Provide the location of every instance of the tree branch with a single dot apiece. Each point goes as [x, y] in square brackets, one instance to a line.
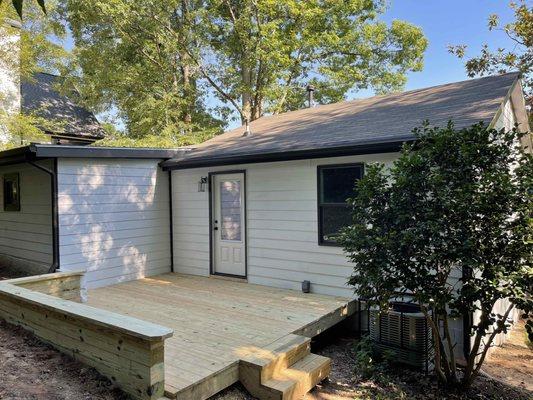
[202, 70]
[488, 345]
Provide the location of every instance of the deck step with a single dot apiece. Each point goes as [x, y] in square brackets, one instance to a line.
[308, 372]
[295, 381]
[283, 370]
[277, 355]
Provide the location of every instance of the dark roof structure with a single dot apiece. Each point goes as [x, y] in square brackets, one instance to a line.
[37, 151]
[39, 96]
[376, 124]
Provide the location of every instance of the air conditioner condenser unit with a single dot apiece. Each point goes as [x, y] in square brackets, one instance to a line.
[403, 329]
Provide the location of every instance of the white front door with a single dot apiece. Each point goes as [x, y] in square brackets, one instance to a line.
[228, 224]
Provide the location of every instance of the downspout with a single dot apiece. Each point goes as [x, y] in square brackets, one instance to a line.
[55, 219]
[467, 320]
[171, 221]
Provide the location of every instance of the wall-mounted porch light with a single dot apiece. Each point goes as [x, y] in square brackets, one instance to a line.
[202, 184]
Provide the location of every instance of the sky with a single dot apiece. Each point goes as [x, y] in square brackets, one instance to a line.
[449, 22]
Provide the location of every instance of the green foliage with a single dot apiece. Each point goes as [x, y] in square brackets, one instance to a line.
[24, 129]
[368, 362]
[266, 52]
[115, 138]
[364, 357]
[41, 41]
[454, 200]
[517, 58]
[149, 81]
[186, 65]
[18, 5]
[39, 49]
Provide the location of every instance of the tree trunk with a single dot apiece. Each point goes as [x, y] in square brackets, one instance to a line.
[436, 343]
[473, 367]
[188, 84]
[246, 97]
[257, 109]
[188, 91]
[451, 355]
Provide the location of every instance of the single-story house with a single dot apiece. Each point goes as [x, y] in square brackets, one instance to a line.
[278, 193]
[260, 205]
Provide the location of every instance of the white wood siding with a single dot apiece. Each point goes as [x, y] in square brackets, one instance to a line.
[27, 234]
[113, 219]
[282, 231]
[507, 118]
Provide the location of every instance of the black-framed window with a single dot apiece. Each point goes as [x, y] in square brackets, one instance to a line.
[336, 184]
[11, 192]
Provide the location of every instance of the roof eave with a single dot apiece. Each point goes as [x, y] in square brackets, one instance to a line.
[35, 151]
[46, 151]
[75, 136]
[17, 155]
[358, 149]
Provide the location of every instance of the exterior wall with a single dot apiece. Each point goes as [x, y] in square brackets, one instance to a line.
[282, 226]
[9, 73]
[26, 235]
[507, 118]
[113, 219]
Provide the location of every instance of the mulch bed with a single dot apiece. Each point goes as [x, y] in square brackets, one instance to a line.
[399, 383]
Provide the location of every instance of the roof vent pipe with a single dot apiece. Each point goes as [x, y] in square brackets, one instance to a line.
[247, 131]
[310, 89]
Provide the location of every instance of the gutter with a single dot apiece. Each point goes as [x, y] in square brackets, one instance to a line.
[368, 147]
[55, 214]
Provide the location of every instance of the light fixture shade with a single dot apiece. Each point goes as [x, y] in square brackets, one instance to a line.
[202, 183]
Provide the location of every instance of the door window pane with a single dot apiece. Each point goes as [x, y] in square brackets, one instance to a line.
[230, 210]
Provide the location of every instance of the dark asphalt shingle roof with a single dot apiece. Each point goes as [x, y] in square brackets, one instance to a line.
[377, 119]
[40, 96]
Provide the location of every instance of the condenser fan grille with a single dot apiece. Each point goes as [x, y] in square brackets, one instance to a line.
[406, 334]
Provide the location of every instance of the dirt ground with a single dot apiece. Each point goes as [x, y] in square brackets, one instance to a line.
[514, 363]
[31, 370]
[343, 383]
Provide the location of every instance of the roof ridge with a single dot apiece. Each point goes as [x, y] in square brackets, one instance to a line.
[379, 96]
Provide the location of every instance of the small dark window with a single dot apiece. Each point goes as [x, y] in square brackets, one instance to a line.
[336, 184]
[11, 192]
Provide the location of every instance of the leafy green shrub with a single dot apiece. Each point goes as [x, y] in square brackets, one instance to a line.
[457, 202]
[368, 361]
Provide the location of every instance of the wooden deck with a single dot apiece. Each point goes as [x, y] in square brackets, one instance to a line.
[216, 323]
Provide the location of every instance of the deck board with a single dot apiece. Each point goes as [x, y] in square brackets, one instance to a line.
[216, 321]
